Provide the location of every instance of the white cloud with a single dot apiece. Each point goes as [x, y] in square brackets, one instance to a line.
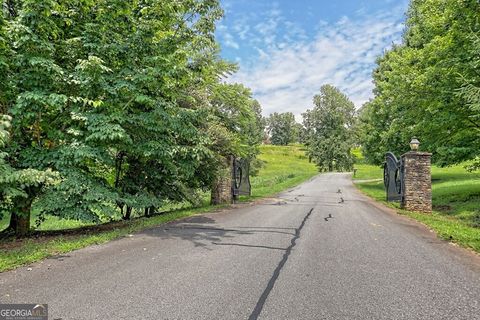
[229, 41]
[288, 74]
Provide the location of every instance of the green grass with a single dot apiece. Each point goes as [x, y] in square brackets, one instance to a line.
[455, 198]
[283, 167]
[368, 172]
[365, 171]
[50, 223]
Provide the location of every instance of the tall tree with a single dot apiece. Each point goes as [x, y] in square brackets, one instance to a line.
[281, 128]
[4, 66]
[33, 103]
[102, 106]
[329, 127]
[145, 144]
[108, 119]
[236, 127]
[425, 86]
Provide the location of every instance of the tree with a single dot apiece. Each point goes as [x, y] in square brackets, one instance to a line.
[32, 101]
[108, 120]
[4, 67]
[17, 185]
[298, 133]
[329, 128]
[425, 87]
[372, 131]
[281, 128]
[236, 127]
[101, 105]
[470, 90]
[256, 126]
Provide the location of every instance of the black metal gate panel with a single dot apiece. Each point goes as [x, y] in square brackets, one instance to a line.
[241, 178]
[393, 177]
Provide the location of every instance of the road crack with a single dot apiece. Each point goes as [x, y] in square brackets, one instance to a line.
[263, 298]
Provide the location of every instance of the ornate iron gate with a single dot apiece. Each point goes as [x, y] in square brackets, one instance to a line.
[393, 173]
[241, 178]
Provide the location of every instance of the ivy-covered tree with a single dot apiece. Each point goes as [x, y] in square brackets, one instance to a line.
[329, 128]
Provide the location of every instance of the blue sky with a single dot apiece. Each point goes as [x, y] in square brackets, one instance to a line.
[287, 49]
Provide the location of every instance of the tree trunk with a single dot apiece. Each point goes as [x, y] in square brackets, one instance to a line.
[149, 211]
[128, 213]
[13, 221]
[12, 8]
[20, 222]
[222, 186]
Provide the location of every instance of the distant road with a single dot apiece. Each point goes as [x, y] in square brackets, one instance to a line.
[306, 255]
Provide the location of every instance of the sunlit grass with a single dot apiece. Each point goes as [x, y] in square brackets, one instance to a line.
[367, 172]
[283, 167]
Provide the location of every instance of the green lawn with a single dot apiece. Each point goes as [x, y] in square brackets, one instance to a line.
[365, 171]
[368, 172]
[283, 167]
[455, 197]
[50, 223]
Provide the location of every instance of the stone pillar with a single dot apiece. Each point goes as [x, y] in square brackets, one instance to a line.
[417, 193]
[222, 186]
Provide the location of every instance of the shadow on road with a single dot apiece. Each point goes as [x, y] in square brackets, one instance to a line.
[203, 232]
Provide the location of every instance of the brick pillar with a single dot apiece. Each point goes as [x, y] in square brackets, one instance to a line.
[222, 186]
[417, 193]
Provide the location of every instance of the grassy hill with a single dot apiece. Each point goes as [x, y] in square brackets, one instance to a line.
[283, 167]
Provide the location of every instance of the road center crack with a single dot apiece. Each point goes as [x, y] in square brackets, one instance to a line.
[263, 298]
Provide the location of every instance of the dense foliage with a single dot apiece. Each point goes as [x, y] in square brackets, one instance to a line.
[114, 106]
[329, 130]
[282, 128]
[429, 86]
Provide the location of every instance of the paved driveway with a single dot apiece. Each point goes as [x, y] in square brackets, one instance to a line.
[306, 255]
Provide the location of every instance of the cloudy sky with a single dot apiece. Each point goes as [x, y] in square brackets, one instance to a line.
[287, 49]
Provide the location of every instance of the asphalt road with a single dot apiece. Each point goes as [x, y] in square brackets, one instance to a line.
[304, 255]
